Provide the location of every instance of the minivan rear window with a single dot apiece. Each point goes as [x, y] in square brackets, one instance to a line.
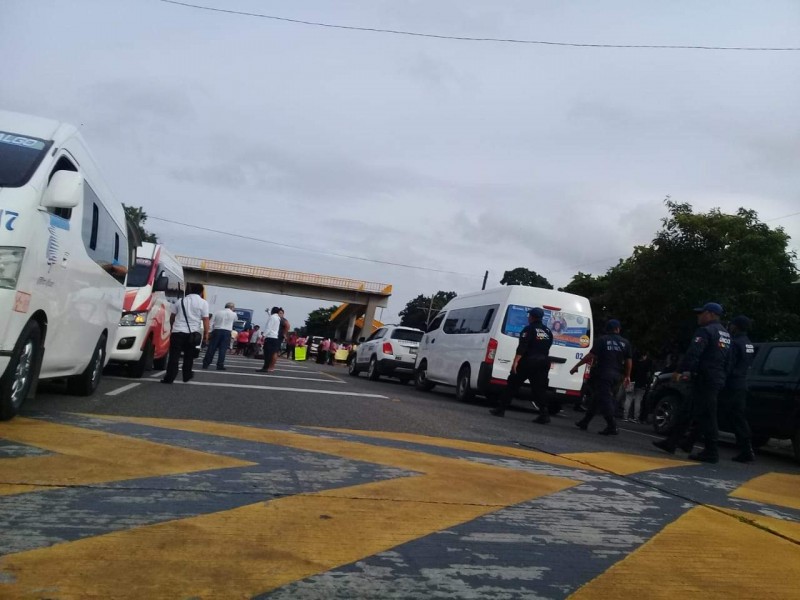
[407, 335]
[571, 331]
[20, 155]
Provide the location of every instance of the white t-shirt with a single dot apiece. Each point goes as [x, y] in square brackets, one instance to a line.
[273, 326]
[223, 319]
[196, 309]
[254, 336]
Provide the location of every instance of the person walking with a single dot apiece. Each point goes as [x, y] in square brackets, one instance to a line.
[189, 316]
[221, 327]
[530, 363]
[283, 329]
[705, 366]
[241, 342]
[611, 362]
[252, 342]
[733, 397]
[322, 351]
[291, 344]
[642, 372]
[271, 343]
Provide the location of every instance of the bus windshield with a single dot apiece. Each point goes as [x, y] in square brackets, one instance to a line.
[19, 157]
[139, 273]
[571, 331]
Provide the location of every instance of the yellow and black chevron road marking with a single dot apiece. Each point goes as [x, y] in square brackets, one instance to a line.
[119, 507]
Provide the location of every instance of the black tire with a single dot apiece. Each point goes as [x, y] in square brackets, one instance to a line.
[352, 368]
[464, 393]
[86, 383]
[373, 371]
[21, 372]
[160, 364]
[664, 414]
[145, 362]
[421, 378]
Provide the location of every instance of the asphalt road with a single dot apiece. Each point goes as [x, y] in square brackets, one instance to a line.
[310, 483]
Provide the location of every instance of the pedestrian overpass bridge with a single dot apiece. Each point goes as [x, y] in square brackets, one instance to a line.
[353, 292]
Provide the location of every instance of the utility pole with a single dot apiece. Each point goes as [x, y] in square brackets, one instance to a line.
[485, 277]
[430, 307]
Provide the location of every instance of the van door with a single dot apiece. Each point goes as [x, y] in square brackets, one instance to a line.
[431, 345]
[772, 385]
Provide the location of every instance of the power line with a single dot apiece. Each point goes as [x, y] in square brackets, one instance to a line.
[477, 39]
[305, 249]
[783, 217]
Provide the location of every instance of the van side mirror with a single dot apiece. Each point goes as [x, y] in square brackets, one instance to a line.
[161, 284]
[65, 190]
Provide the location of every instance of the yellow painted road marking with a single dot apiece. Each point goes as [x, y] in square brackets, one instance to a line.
[788, 529]
[780, 489]
[260, 547]
[626, 464]
[84, 456]
[704, 554]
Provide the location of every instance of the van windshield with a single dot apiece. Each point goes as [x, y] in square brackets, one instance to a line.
[139, 274]
[19, 157]
[571, 331]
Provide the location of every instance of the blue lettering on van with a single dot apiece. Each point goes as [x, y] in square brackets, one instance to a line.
[7, 218]
[19, 140]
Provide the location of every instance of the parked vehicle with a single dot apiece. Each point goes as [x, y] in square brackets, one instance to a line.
[244, 319]
[154, 281]
[391, 351]
[63, 260]
[313, 344]
[773, 396]
[471, 343]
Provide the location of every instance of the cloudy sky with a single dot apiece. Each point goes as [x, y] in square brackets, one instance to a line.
[455, 156]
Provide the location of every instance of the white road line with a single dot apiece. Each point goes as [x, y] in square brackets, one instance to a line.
[270, 376]
[260, 387]
[124, 388]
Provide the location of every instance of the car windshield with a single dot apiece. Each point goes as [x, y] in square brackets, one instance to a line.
[572, 331]
[19, 157]
[407, 335]
[139, 274]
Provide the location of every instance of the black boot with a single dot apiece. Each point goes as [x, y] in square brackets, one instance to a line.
[667, 446]
[583, 424]
[687, 445]
[705, 456]
[746, 454]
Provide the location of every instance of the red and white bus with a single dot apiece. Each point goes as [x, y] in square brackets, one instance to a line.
[155, 280]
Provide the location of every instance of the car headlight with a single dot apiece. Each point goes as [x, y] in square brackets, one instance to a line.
[10, 266]
[133, 318]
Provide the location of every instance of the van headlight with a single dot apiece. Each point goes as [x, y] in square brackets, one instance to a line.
[10, 266]
[133, 318]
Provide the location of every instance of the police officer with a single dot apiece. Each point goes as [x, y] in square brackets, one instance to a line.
[705, 366]
[530, 362]
[734, 394]
[612, 361]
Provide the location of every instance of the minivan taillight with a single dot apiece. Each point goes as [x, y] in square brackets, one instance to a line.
[491, 351]
[387, 348]
[586, 372]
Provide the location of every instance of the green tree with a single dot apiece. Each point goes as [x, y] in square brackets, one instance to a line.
[318, 321]
[523, 276]
[732, 259]
[420, 311]
[138, 218]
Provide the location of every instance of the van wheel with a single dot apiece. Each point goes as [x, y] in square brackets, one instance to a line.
[421, 378]
[373, 372]
[352, 368]
[21, 371]
[464, 392]
[145, 362]
[160, 364]
[86, 383]
[664, 414]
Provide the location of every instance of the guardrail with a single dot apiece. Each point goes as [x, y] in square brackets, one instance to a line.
[240, 270]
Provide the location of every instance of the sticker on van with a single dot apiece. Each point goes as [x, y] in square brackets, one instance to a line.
[571, 331]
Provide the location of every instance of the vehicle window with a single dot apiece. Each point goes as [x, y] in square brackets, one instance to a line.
[20, 155]
[406, 335]
[571, 331]
[98, 230]
[476, 319]
[376, 335]
[139, 274]
[437, 322]
[780, 361]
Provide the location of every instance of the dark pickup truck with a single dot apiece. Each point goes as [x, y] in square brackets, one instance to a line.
[773, 396]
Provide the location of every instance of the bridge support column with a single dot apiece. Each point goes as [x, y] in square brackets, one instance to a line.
[351, 326]
[369, 317]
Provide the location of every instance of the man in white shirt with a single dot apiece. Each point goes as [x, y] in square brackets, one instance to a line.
[272, 344]
[221, 326]
[189, 315]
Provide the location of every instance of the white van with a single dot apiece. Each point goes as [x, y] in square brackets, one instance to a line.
[63, 260]
[472, 342]
[155, 280]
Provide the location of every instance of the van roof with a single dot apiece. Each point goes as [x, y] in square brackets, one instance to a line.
[39, 127]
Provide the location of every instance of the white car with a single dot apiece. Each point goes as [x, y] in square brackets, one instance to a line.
[391, 351]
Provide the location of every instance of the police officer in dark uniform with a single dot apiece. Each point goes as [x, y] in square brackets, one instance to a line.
[612, 361]
[734, 395]
[530, 362]
[705, 365]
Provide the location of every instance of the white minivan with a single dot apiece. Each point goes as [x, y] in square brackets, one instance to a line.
[63, 260]
[472, 342]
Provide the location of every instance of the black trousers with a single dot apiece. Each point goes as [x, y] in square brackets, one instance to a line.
[697, 418]
[604, 391]
[180, 343]
[533, 369]
[732, 402]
